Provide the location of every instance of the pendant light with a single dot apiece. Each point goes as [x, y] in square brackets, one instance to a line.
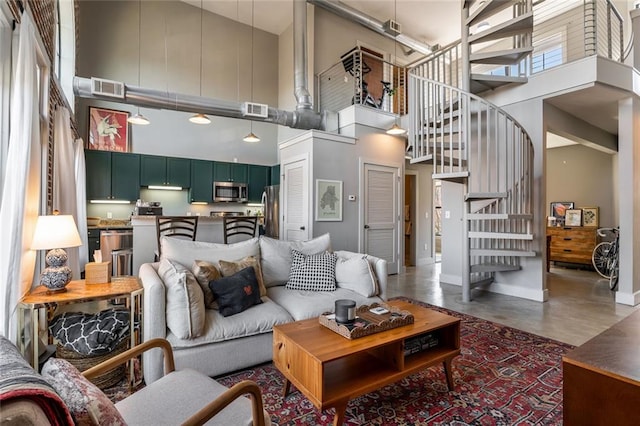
[138, 118]
[395, 130]
[251, 137]
[200, 118]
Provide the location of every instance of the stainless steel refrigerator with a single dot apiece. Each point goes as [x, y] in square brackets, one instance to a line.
[271, 201]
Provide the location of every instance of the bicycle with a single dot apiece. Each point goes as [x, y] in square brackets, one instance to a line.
[365, 98]
[606, 256]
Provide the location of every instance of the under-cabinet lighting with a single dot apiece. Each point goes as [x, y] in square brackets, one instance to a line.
[109, 202]
[199, 203]
[255, 205]
[168, 188]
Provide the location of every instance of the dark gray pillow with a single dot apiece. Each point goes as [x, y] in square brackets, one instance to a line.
[236, 292]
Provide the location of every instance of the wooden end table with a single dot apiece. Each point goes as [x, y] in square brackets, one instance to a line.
[330, 369]
[39, 304]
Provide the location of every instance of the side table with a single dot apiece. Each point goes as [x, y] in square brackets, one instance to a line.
[41, 305]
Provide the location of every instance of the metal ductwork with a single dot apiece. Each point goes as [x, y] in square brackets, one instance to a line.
[369, 22]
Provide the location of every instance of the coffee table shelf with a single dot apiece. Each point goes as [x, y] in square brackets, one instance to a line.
[330, 369]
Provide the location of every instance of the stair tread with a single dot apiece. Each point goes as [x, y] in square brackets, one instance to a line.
[519, 25]
[501, 235]
[494, 267]
[499, 216]
[483, 82]
[421, 159]
[484, 195]
[502, 252]
[489, 8]
[501, 57]
[452, 176]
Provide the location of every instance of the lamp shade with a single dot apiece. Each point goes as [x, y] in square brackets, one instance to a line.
[55, 231]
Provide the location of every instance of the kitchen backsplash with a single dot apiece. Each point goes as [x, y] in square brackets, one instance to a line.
[174, 203]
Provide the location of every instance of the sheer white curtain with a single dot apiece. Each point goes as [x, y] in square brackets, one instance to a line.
[64, 180]
[81, 201]
[21, 191]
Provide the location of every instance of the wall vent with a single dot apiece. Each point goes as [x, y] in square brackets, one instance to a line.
[392, 27]
[253, 109]
[109, 88]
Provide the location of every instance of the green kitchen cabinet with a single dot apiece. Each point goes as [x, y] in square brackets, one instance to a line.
[201, 189]
[275, 175]
[230, 172]
[165, 171]
[239, 172]
[112, 175]
[258, 179]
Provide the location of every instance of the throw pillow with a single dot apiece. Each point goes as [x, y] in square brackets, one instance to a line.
[87, 403]
[205, 272]
[185, 252]
[315, 272]
[356, 275]
[237, 292]
[185, 301]
[275, 256]
[229, 268]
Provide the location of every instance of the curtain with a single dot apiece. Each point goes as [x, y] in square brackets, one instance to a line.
[21, 191]
[64, 179]
[81, 201]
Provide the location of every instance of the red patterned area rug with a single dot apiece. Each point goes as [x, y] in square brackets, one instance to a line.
[503, 376]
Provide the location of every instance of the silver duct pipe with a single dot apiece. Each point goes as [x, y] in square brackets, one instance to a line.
[367, 21]
[158, 99]
[303, 97]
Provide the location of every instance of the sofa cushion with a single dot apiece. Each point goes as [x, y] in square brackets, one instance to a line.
[237, 292]
[275, 256]
[185, 300]
[186, 251]
[228, 268]
[303, 304]
[356, 274]
[205, 272]
[87, 403]
[316, 272]
[257, 320]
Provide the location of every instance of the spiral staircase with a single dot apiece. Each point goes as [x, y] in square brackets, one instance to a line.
[474, 143]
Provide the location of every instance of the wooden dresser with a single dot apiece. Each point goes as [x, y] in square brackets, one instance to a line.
[601, 378]
[571, 244]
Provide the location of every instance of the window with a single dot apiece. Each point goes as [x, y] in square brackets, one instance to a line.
[65, 47]
[548, 52]
[6, 39]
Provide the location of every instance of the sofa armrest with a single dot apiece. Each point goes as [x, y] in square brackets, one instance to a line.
[155, 320]
[379, 268]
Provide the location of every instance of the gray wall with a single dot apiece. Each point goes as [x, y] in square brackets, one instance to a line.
[582, 175]
[110, 51]
[423, 225]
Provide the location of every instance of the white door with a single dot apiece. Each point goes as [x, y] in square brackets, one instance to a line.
[295, 210]
[381, 218]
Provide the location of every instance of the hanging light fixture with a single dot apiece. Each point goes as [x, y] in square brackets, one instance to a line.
[395, 130]
[138, 118]
[251, 137]
[200, 118]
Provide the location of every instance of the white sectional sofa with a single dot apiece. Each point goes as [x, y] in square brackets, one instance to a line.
[224, 344]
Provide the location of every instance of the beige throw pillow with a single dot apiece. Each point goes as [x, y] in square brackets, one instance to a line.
[357, 275]
[206, 272]
[229, 268]
[185, 300]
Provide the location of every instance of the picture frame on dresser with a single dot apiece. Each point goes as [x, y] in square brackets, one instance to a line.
[573, 217]
[590, 216]
[558, 209]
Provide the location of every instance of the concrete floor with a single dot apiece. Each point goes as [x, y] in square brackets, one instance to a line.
[580, 304]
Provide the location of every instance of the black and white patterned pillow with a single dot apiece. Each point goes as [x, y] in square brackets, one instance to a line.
[315, 272]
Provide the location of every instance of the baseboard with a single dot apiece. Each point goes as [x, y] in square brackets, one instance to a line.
[451, 279]
[538, 295]
[631, 299]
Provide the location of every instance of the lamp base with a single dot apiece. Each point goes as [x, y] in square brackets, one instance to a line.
[55, 278]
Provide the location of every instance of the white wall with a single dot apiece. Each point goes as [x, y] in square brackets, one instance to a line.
[423, 225]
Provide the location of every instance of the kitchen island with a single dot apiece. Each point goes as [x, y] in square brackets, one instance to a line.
[145, 238]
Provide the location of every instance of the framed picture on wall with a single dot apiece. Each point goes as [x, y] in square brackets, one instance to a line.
[108, 130]
[328, 200]
[573, 217]
[590, 216]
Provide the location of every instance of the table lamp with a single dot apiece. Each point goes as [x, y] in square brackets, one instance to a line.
[54, 233]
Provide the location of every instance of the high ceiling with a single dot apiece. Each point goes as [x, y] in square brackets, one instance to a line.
[428, 21]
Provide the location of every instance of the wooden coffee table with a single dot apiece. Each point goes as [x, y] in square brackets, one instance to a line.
[330, 369]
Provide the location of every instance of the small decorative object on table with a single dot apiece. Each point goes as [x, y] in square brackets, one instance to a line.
[345, 311]
[367, 322]
[55, 232]
[97, 272]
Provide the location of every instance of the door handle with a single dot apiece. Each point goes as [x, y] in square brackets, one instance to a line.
[302, 228]
[366, 227]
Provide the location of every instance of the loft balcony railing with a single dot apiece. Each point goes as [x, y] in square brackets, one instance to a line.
[563, 31]
[361, 78]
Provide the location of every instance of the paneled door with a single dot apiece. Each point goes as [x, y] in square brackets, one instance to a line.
[295, 221]
[381, 214]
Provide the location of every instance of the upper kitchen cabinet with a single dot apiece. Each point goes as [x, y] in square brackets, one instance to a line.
[258, 179]
[230, 172]
[275, 175]
[165, 171]
[201, 190]
[112, 175]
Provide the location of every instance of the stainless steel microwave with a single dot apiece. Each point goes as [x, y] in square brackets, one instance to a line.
[230, 192]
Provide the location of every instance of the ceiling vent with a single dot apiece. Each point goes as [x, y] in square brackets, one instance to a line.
[109, 88]
[253, 109]
[392, 27]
